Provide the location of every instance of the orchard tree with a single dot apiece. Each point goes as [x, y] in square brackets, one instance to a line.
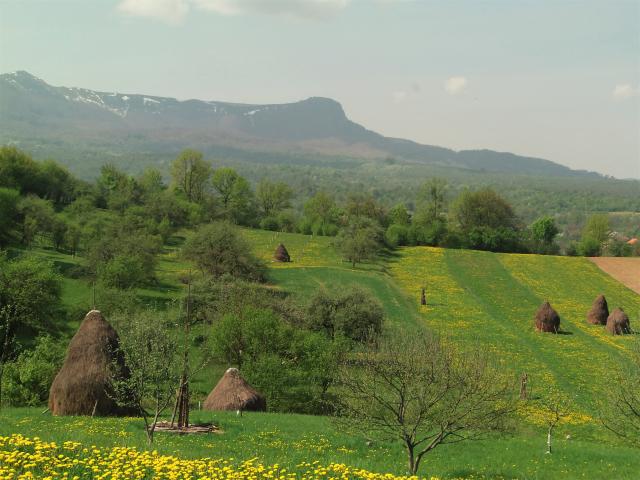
[359, 240]
[415, 389]
[150, 349]
[321, 215]
[190, 175]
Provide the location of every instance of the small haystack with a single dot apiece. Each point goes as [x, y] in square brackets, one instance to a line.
[281, 254]
[599, 311]
[233, 393]
[547, 319]
[618, 322]
[82, 384]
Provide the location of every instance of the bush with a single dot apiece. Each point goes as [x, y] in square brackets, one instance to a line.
[396, 235]
[27, 380]
[589, 247]
[353, 314]
[219, 249]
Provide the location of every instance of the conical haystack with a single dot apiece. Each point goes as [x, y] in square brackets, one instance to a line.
[599, 311]
[233, 393]
[547, 319]
[281, 254]
[618, 322]
[82, 384]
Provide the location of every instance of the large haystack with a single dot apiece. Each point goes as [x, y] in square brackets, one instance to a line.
[233, 393]
[547, 319]
[281, 255]
[599, 311]
[82, 384]
[618, 322]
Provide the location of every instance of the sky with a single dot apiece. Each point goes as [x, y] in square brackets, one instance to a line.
[553, 79]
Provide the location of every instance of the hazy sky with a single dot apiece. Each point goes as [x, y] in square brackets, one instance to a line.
[553, 79]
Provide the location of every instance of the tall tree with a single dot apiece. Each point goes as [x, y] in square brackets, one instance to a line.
[190, 175]
[431, 200]
[273, 197]
[235, 193]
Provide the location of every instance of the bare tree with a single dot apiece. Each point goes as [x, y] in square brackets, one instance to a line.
[620, 410]
[417, 389]
[554, 406]
[151, 355]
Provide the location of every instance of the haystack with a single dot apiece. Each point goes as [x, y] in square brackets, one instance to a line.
[618, 322]
[281, 254]
[599, 311]
[233, 393]
[547, 319]
[82, 384]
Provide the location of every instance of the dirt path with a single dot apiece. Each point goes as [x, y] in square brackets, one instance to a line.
[625, 270]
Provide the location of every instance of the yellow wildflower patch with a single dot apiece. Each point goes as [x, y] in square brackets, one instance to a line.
[23, 458]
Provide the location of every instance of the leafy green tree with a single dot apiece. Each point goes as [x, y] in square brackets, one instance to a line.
[190, 175]
[27, 379]
[235, 194]
[18, 170]
[321, 215]
[117, 190]
[364, 206]
[594, 235]
[56, 183]
[399, 215]
[359, 240]
[543, 233]
[273, 197]
[486, 221]
[431, 200]
[354, 314]
[396, 235]
[32, 288]
[219, 249]
[9, 200]
[38, 217]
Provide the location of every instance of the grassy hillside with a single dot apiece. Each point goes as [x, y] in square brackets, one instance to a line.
[491, 299]
[473, 297]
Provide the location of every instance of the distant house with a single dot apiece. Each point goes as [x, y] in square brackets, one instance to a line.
[632, 241]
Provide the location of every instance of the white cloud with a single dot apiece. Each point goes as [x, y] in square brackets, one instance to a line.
[174, 11]
[625, 90]
[455, 85]
[310, 9]
[399, 96]
[168, 11]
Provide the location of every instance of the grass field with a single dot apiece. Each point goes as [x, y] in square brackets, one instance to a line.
[473, 298]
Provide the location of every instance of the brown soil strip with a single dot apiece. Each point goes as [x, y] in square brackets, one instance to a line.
[625, 270]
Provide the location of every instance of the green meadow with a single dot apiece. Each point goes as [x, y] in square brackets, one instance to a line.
[472, 298]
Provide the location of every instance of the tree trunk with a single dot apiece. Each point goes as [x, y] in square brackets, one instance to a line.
[413, 467]
[549, 440]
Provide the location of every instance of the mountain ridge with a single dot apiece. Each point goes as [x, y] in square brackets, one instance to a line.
[31, 111]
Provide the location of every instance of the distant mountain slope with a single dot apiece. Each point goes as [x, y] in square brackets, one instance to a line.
[34, 112]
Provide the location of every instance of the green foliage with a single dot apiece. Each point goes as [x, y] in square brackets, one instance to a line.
[32, 287]
[190, 175]
[27, 380]
[219, 249]
[321, 215]
[359, 240]
[9, 199]
[235, 195]
[353, 314]
[486, 221]
[273, 197]
[396, 235]
[594, 235]
[399, 215]
[293, 368]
